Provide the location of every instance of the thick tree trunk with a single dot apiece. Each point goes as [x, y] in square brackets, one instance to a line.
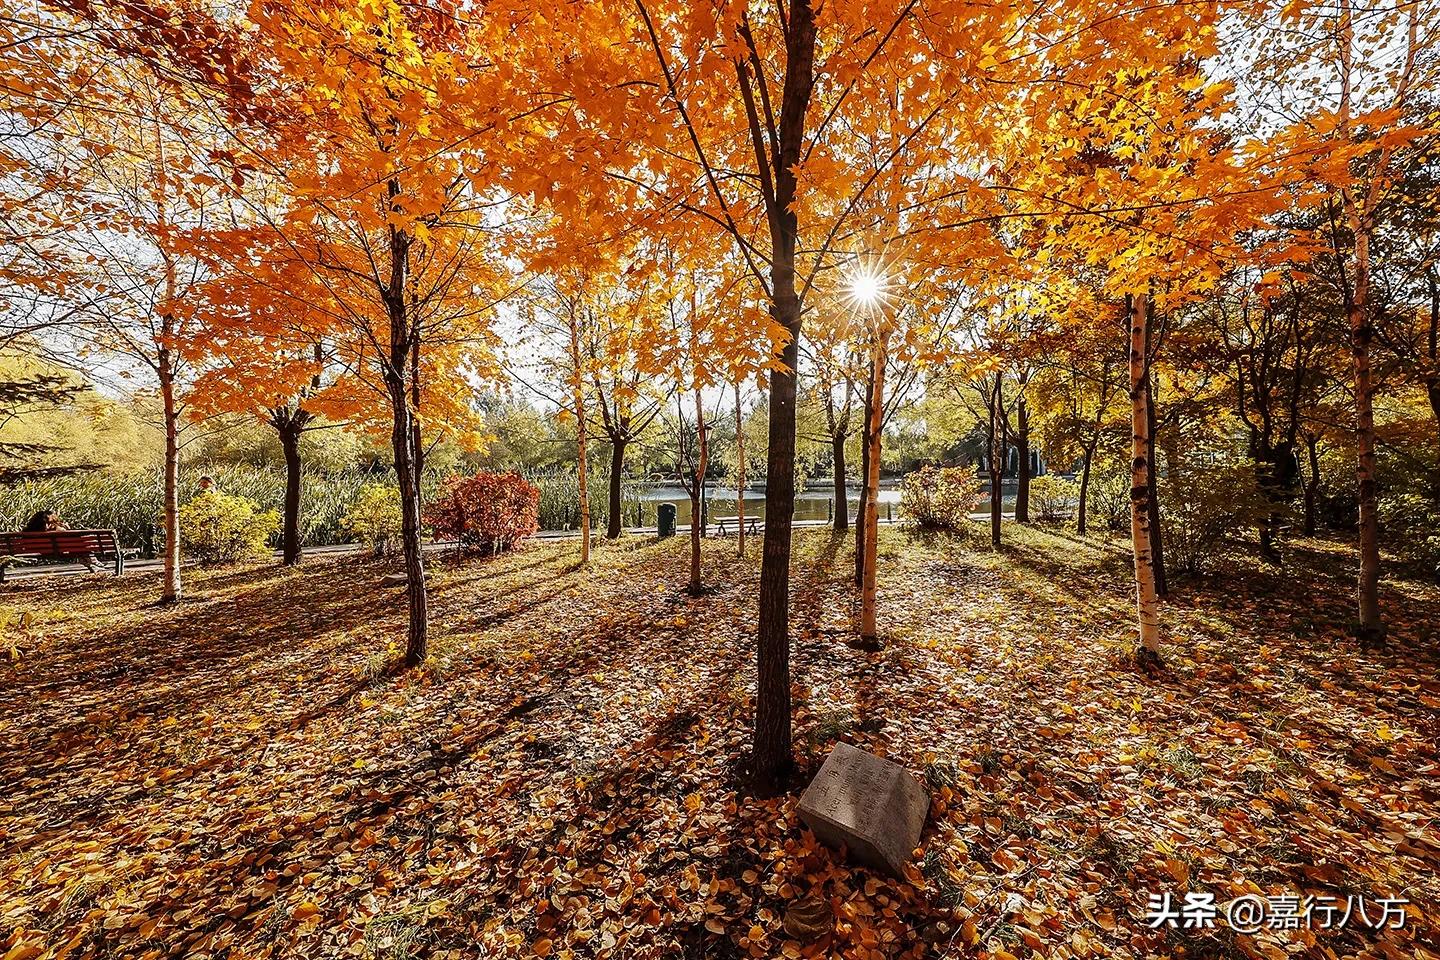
[1147, 651]
[1022, 459]
[842, 506]
[290, 534]
[1082, 508]
[615, 521]
[170, 593]
[869, 638]
[739, 476]
[771, 745]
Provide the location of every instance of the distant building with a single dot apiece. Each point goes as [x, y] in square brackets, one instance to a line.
[1038, 466]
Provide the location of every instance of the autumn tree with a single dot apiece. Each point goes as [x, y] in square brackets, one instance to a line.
[1351, 72]
[1075, 394]
[270, 372]
[134, 194]
[835, 372]
[384, 226]
[726, 99]
[625, 399]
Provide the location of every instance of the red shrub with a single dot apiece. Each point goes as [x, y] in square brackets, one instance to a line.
[488, 512]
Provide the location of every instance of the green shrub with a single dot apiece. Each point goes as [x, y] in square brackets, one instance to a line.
[1203, 509]
[1412, 527]
[375, 518]
[218, 527]
[940, 497]
[1109, 495]
[1051, 496]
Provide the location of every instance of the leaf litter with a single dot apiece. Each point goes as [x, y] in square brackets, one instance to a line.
[245, 775]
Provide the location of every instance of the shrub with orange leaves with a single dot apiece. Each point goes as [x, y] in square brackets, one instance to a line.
[487, 512]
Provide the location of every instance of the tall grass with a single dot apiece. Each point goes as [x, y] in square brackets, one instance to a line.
[560, 498]
[130, 503]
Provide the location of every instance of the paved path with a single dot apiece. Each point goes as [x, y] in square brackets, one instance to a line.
[18, 573]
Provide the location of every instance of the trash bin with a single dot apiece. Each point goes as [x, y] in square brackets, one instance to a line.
[665, 520]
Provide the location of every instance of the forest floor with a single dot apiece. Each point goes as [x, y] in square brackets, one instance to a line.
[241, 776]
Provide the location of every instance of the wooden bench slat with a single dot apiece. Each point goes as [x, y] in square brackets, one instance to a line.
[59, 542]
[63, 544]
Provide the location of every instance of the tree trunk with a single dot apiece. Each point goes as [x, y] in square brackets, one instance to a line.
[997, 459]
[1432, 343]
[405, 437]
[615, 521]
[290, 443]
[1022, 459]
[1370, 630]
[864, 486]
[1432, 354]
[1312, 483]
[739, 476]
[873, 428]
[1432, 390]
[1152, 501]
[583, 477]
[697, 505]
[402, 445]
[170, 593]
[771, 746]
[842, 506]
[1147, 652]
[1081, 508]
[582, 472]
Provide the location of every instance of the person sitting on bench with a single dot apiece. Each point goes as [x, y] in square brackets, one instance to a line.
[45, 521]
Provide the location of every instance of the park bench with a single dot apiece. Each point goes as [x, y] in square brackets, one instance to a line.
[62, 545]
[751, 525]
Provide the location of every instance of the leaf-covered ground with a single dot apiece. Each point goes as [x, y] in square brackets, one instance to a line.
[240, 777]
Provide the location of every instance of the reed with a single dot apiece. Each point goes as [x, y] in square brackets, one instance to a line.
[560, 498]
[130, 503]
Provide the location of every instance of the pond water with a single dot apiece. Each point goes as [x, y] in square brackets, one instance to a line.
[812, 504]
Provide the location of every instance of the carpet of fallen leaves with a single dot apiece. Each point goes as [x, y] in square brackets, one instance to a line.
[243, 777]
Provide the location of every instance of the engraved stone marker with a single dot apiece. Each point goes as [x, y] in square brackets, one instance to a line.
[872, 806]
